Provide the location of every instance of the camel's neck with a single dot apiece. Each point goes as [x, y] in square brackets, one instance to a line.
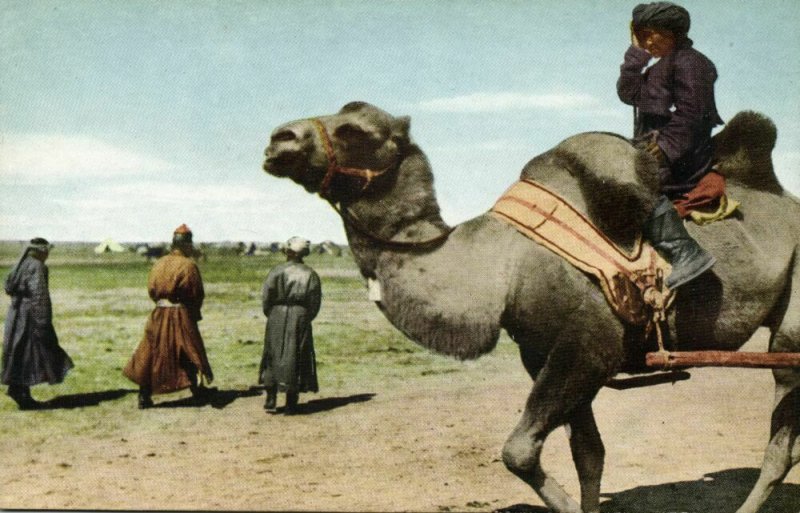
[403, 210]
[422, 290]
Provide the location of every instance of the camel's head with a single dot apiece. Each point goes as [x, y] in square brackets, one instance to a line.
[339, 156]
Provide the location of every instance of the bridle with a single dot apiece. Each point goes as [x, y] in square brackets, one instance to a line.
[366, 176]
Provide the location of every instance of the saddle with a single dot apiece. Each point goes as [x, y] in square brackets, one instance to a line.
[632, 282]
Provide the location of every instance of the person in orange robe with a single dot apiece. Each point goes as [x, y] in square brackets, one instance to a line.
[171, 355]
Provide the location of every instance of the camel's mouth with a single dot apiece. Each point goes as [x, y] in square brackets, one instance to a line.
[280, 165]
[293, 166]
[285, 162]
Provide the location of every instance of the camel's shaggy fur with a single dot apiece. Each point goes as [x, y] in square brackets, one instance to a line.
[455, 296]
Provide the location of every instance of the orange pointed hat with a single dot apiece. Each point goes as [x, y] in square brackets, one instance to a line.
[182, 234]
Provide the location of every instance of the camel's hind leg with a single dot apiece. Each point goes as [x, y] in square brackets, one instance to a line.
[783, 450]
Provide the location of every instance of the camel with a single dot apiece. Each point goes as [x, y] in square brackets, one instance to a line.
[452, 289]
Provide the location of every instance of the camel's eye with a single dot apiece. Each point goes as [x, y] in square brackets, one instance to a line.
[352, 134]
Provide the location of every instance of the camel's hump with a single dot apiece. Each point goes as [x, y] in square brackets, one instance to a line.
[604, 176]
[743, 151]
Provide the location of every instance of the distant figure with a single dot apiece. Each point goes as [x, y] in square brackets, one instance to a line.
[291, 299]
[31, 354]
[151, 252]
[674, 113]
[171, 354]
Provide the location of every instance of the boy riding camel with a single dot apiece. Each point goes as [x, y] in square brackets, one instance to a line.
[674, 113]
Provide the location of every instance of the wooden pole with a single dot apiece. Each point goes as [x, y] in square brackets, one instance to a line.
[672, 359]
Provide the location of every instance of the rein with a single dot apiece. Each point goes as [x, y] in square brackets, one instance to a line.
[353, 223]
[367, 175]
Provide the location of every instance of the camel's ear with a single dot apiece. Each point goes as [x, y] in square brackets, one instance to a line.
[401, 126]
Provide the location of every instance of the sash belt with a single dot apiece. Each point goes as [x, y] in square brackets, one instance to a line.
[166, 303]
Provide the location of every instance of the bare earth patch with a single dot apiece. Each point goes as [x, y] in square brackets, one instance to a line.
[426, 444]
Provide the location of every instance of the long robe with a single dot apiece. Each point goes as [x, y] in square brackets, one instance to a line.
[172, 350]
[291, 298]
[31, 354]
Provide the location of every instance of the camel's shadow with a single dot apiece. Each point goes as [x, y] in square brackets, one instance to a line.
[215, 398]
[67, 402]
[328, 403]
[522, 508]
[717, 492]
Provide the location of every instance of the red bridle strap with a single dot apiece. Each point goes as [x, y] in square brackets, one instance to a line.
[367, 175]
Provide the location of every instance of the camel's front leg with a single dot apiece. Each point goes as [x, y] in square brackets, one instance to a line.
[588, 454]
[560, 395]
[783, 450]
[522, 453]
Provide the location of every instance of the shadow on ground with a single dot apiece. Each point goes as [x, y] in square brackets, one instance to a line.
[215, 398]
[647, 380]
[718, 492]
[522, 508]
[328, 403]
[83, 400]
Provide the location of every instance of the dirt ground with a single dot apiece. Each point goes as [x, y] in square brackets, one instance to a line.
[426, 444]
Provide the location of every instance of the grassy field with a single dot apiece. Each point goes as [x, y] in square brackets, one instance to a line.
[100, 305]
[394, 427]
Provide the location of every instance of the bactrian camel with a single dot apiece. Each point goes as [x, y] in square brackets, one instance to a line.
[453, 289]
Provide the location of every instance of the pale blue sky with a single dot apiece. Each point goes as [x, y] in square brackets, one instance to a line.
[125, 119]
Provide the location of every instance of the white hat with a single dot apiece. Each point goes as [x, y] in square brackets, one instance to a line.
[298, 245]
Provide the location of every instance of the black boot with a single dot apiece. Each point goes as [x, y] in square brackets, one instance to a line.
[21, 394]
[666, 232]
[291, 403]
[145, 399]
[271, 403]
[201, 394]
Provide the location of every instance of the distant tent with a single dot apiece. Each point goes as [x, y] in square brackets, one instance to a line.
[108, 246]
[330, 248]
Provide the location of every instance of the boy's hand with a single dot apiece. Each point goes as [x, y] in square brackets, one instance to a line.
[655, 150]
[634, 39]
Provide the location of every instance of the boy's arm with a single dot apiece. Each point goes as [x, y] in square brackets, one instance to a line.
[693, 96]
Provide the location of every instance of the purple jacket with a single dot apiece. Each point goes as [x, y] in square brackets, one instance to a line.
[674, 97]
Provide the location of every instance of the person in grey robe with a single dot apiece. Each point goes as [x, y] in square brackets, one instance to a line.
[291, 299]
[31, 354]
